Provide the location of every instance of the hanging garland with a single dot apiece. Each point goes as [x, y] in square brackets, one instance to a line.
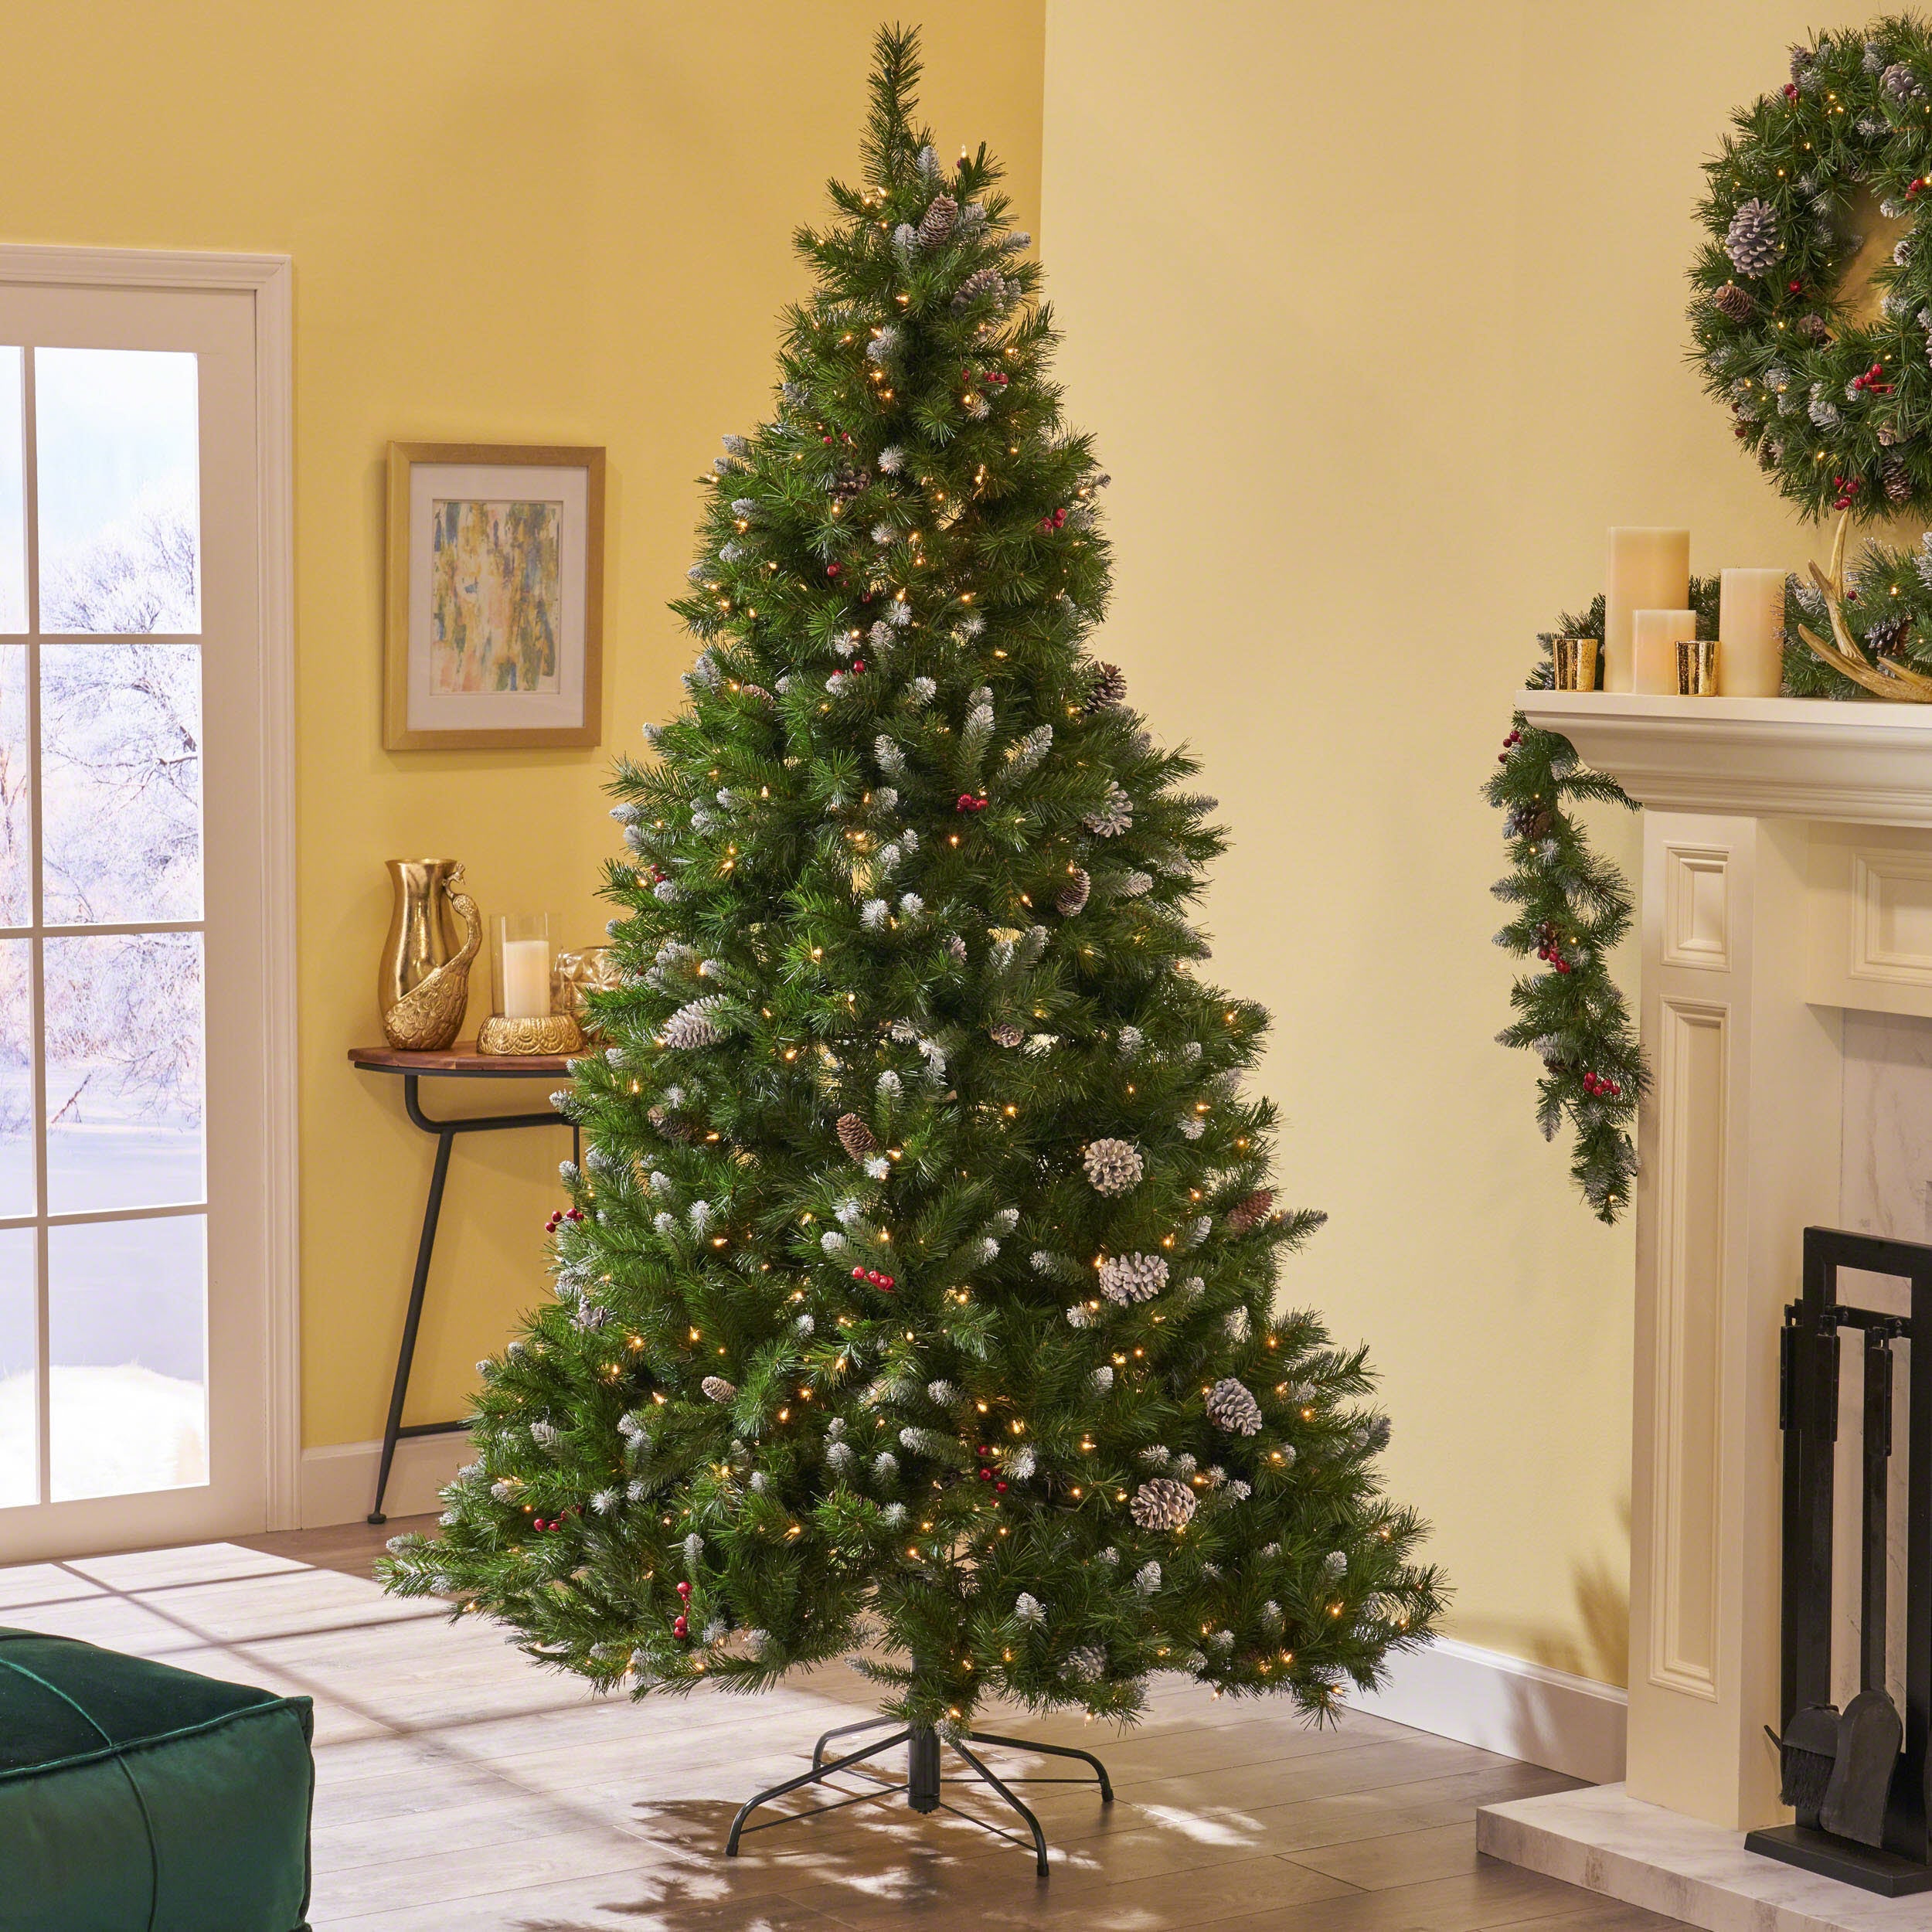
[1838, 411]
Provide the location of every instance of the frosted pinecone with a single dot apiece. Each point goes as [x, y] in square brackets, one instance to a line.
[1072, 896]
[928, 162]
[693, 1026]
[718, 1390]
[1161, 1503]
[1335, 1565]
[1112, 1166]
[1102, 1379]
[855, 1137]
[1114, 817]
[983, 281]
[1109, 688]
[1897, 480]
[1027, 1609]
[1147, 1579]
[904, 240]
[941, 213]
[1902, 84]
[1127, 1278]
[1751, 240]
[1004, 1033]
[1230, 1407]
[1089, 1661]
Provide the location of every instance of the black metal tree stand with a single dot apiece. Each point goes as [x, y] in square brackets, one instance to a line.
[923, 1781]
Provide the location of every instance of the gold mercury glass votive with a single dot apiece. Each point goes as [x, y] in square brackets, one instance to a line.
[1576, 661]
[1697, 667]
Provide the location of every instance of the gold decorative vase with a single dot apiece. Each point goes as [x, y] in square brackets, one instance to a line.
[550, 1033]
[423, 985]
[592, 970]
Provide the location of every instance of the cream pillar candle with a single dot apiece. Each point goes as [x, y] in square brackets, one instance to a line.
[526, 978]
[1750, 631]
[1647, 570]
[1654, 648]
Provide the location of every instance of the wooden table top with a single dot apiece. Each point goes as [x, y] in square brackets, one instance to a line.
[461, 1061]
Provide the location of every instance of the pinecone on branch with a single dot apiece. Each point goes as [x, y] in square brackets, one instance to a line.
[1813, 328]
[1887, 637]
[1231, 1407]
[1109, 687]
[718, 1389]
[1161, 1503]
[1896, 478]
[1250, 1211]
[981, 281]
[855, 1137]
[1004, 1033]
[848, 482]
[1751, 240]
[1114, 818]
[1112, 1167]
[937, 223]
[1734, 303]
[1127, 1278]
[693, 1026]
[1072, 896]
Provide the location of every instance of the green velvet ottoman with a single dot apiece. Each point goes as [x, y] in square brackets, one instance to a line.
[136, 1798]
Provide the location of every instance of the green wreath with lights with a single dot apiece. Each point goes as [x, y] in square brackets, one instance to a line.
[1838, 411]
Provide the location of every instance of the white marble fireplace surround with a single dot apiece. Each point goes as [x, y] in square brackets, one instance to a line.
[1785, 1007]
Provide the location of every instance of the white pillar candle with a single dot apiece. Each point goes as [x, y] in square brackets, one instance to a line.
[1750, 631]
[526, 978]
[1647, 570]
[1654, 648]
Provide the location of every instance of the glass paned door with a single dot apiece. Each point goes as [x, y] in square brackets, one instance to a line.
[131, 1324]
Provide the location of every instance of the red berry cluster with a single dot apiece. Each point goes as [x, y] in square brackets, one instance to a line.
[1550, 948]
[1508, 745]
[554, 1522]
[968, 803]
[990, 378]
[1848, 488]
[1603, 1089]
[559, 1215]
[884, 1282]
[1054, 520]
[1873, 381]
[680, 1625]
[844, 436]
[985, 1470]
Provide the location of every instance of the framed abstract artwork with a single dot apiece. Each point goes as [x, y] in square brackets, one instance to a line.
[496, 630]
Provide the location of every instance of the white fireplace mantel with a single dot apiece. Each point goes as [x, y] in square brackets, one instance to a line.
[1861, 764]
[1786, 897]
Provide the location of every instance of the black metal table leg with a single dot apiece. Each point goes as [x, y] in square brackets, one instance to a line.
[395, 1429]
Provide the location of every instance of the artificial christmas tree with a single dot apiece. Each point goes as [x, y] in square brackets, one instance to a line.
[917, 1299]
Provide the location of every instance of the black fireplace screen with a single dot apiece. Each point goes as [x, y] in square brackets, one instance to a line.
[1855, 1776]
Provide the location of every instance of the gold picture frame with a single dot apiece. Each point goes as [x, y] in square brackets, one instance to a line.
[493, 640]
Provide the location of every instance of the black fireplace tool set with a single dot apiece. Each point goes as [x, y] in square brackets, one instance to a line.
[1856, 1777]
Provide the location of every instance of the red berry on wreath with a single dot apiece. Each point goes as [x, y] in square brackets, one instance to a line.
[1001, 1488]
[835, 570]
[1791, 90]
[684, 1592]
[858, 1274]
[679, 1628]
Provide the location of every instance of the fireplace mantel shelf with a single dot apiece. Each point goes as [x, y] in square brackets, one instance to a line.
[1860, 764]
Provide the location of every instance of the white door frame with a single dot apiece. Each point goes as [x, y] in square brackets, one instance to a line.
[268, 278]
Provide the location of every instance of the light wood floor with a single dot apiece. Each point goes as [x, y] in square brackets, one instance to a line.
[459, 1787]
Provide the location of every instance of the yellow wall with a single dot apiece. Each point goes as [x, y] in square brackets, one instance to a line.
[564, 223]
[1377, 313]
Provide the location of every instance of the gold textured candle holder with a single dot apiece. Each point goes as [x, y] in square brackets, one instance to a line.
[548, 1033]
[1575, 661]
[1697, 667]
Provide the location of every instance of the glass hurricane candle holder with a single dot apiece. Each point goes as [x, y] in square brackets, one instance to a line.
[521, 1021]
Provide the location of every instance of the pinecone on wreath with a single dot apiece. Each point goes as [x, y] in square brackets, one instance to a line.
[1887, 637]
[1751, 240]
[1896, 478]
[1814, 329]
[1734, 303]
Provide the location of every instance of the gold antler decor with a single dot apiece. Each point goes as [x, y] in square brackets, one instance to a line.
[1884, 680]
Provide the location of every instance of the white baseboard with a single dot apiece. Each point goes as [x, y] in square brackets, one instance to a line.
[1573, 1725]
[337, 1483]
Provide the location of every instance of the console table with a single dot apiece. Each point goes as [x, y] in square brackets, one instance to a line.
[462, 1062]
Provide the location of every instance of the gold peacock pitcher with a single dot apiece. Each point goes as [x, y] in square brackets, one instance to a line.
[423, 986]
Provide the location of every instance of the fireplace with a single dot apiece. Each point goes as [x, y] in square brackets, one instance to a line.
[1786, 1006]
